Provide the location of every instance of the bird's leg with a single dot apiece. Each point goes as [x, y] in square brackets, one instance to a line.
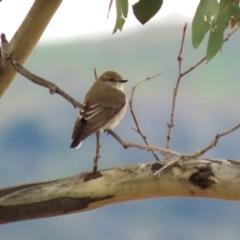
[97, 156]
[95, 173]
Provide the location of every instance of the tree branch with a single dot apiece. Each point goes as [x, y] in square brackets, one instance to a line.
[204, 58]
[27, 36]
[210, 178]
[95, 73]
[212, 144]
[170, 153]
[143, 147]
[53, 88]
[175, 90]
[138, 130]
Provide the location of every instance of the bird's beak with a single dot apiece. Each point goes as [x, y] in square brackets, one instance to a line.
[123, 81]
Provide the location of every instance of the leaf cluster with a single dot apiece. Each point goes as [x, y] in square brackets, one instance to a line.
[214, 17]
[211, 16]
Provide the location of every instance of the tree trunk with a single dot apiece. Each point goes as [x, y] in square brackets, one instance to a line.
[26, 37]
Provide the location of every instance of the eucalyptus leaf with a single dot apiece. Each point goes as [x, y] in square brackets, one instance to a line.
[122, 12]
[235, 14]
[109, 7]
[217, 31]
[144, 10]
[205, 14]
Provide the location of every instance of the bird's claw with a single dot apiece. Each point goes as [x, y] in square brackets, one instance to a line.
[92, 175]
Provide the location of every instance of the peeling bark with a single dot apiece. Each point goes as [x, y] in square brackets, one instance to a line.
[209, 178]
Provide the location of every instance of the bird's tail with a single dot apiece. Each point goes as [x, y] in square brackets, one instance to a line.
[78, 133]
[76, 143]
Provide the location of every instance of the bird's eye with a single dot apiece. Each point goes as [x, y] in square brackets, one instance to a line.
[111, 80]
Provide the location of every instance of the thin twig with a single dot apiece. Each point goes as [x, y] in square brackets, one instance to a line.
[193, 67]
[171, 123]
[95, 73]
[181, 49]
[143, 147]
[170, 164]
[212, 144]
[138, 130]
[97, 156]
[199, 153]
[5, 55]
[204, 58]
[180, 75]
[213, 179]
[231, 33]
[53, 88]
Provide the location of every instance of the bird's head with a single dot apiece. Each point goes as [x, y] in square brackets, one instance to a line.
[112, 79]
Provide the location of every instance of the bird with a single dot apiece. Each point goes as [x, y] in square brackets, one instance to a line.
[103, 108]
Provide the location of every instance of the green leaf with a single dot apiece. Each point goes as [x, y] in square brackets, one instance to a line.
[207, 11]
[122, 12]
[217, 31]
[235, 14]
[109, 7]
[144, 10]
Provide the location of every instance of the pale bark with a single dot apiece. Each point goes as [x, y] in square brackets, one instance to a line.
[209, 178]
[27, 36]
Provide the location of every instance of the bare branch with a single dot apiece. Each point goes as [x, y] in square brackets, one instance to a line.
[35, 79]
[167, 152]
[180, 75]
[236, 27]
[200, 152]
[212, 144]
[181, 49]
[194, 66]
[175, 90]
[138, 130]
[143, 147]
[95, 73]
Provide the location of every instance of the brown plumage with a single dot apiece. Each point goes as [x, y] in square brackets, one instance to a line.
[103, 108]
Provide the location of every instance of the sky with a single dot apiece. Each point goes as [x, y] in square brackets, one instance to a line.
[74, 18]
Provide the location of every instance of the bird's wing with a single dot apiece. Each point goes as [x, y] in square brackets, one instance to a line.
[94, 116]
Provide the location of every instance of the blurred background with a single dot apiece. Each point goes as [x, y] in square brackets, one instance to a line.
[36, 127]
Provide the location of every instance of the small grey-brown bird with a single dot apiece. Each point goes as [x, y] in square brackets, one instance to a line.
[103, 108]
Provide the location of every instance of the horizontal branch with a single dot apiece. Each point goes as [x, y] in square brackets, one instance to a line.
[210, 178]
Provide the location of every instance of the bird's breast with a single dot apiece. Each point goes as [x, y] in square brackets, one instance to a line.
[113, 122]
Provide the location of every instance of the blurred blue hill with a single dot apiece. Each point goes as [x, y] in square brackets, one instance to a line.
[36, 128]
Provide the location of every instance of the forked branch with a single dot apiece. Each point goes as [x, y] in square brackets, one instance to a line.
[175, 90]
[138, 129]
